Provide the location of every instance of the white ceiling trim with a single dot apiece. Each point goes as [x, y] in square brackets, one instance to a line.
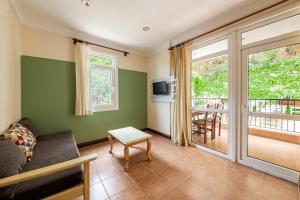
[18, 9]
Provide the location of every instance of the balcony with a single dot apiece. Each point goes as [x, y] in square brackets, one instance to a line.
[273, 129]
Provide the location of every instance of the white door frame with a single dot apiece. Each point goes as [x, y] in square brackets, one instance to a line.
[267, 167]
[231, 92]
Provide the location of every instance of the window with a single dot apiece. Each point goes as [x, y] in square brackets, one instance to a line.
[287, 25]
[103, 82]
[210, 49]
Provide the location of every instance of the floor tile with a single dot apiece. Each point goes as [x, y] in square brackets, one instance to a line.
[98, 192]
[154, 187]
[174, 195]
[117, 184]
[133, 193]
[109, 171]
[140, 173]
[173, 175]
[193, 190]
[276, 188]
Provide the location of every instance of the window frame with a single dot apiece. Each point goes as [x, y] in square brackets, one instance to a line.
[211, 55]
[115, 89]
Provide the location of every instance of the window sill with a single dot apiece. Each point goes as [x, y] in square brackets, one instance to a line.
[105, 109]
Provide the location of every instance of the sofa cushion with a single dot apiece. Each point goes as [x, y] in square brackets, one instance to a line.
[11, 163]
[22, 137]
[51, 149]
[28, 123]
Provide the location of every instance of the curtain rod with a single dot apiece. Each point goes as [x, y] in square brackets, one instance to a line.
[220, 27]
[81, 41]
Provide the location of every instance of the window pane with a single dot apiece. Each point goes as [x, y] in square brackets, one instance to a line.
[275, 73]
[210, 78]
[101, 80]
[210, 90]
[210, 49]
[273, 88]
[281, 27]
[101, 60]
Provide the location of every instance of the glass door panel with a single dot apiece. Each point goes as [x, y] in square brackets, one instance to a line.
[210, 102]
[273, 105]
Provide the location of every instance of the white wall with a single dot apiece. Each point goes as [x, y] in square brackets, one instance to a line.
[10, 79]
[44, 44]
[158, 66]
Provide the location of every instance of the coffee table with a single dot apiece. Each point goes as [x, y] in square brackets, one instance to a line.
[129, 136]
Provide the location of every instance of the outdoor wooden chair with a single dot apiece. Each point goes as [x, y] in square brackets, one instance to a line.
[202, 125]
[219, 116]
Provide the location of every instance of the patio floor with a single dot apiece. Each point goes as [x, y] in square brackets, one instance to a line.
[274, 151]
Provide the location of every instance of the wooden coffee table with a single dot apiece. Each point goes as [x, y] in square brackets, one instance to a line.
[129, 136]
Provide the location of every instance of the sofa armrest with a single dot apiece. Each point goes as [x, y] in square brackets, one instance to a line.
[44, 171]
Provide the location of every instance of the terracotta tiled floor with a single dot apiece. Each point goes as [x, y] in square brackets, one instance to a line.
[218, 144]
[179, 173]
[274, 151]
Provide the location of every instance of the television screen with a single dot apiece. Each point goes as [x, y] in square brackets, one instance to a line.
[160, 88]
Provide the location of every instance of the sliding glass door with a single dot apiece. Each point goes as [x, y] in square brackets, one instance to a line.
[271, 105]
[245, 95]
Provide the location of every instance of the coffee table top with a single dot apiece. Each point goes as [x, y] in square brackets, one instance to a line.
[129, 135]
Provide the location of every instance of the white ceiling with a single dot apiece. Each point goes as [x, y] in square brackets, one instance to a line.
[120, 22]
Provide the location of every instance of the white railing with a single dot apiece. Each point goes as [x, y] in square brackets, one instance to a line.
[278, 114]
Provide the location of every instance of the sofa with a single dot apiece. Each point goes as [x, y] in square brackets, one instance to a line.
[54, 171]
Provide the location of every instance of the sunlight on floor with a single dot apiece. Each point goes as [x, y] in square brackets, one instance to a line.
[274, 151]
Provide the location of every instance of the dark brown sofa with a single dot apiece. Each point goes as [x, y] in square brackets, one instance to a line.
[50, 149]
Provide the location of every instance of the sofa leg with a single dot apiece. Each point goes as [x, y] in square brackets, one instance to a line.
[86, 188]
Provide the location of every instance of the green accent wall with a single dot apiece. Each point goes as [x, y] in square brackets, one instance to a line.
[48, 98]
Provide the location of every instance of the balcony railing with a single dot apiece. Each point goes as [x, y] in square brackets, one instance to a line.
[277, 114]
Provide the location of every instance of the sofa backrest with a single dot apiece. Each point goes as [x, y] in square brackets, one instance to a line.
[28, 123]
[11, 163]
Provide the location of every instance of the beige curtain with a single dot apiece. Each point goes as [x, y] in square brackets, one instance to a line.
[180, 109]
[83, 104]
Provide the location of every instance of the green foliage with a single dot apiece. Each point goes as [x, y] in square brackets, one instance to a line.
[274, 76]
[101, 81]
[100, 60]
[273, 73]
[198, 85]
[209, 77]
[101, 87]
[288, 110]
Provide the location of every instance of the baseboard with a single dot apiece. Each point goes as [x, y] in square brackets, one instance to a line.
[158, 133]
[92, 142]
[97, 141]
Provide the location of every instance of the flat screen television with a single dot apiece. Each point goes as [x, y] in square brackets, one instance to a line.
[160, 88]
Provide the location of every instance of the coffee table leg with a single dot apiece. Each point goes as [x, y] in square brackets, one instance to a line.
[126, 154]
[148, 149]
[110, 142]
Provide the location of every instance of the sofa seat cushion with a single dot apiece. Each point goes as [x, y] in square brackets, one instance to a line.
[51, 149]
